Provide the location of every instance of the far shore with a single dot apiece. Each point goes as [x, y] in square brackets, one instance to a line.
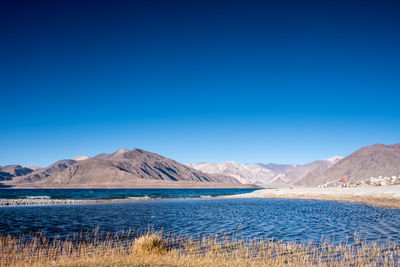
[48, 201]
[45, 202]
[384, 196]
[153, 185]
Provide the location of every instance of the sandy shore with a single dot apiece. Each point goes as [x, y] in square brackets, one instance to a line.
[387, 196]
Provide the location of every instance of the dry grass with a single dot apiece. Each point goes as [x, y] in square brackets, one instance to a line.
[155, 249]
[150, 242]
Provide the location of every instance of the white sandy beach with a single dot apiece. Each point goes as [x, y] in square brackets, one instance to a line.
[375, 195]
[377, 191]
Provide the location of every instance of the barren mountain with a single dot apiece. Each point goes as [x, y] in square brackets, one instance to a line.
[10, 171]
[370, 161]
[263, 174]
[43, 173]
[245, 173]
[301, 171]
[277, 168]
[126, 168]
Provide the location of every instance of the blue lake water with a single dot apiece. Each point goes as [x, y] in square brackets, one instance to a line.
[119, 193]
[280, 219]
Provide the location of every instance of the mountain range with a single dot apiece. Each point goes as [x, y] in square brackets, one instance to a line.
[124, 168]
[264, 174]
[138, 168]
[369, 161]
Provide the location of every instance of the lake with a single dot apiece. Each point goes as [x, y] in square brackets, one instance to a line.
[279, 219]
[108, 194]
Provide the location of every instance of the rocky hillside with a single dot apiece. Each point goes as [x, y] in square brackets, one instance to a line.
[43, 173]
[264, 174]
[245, 173]
[10, 171]
[124, 168]
[370, 161]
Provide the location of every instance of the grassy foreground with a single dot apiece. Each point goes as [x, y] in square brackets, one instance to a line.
[155, 249]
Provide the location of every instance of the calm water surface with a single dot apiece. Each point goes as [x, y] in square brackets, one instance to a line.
[281, 219]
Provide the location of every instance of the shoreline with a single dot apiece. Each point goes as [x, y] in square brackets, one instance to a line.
[22, 202]
[153, 185]
[382, 196]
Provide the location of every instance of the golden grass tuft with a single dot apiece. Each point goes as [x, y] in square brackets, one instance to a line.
[150, 242]
[156, 249]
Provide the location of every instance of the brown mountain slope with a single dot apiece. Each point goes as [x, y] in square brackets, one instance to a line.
[299, 170]
[130, 168]
[10, 171]
[267, 175]
[43, 173]
[370, 161]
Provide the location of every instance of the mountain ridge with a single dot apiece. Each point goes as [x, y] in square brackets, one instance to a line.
[120, 169]
[368, 161]
[137, 167]
[270, 174]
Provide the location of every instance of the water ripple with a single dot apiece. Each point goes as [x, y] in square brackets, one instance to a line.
[282, 219]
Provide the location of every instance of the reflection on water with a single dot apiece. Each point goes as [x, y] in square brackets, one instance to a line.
[281, 219]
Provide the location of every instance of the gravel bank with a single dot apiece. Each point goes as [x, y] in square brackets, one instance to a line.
[388, 196]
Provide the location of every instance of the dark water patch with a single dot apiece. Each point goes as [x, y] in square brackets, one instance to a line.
[2, 185]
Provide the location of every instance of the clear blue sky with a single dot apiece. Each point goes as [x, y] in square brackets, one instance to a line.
[250, 81]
